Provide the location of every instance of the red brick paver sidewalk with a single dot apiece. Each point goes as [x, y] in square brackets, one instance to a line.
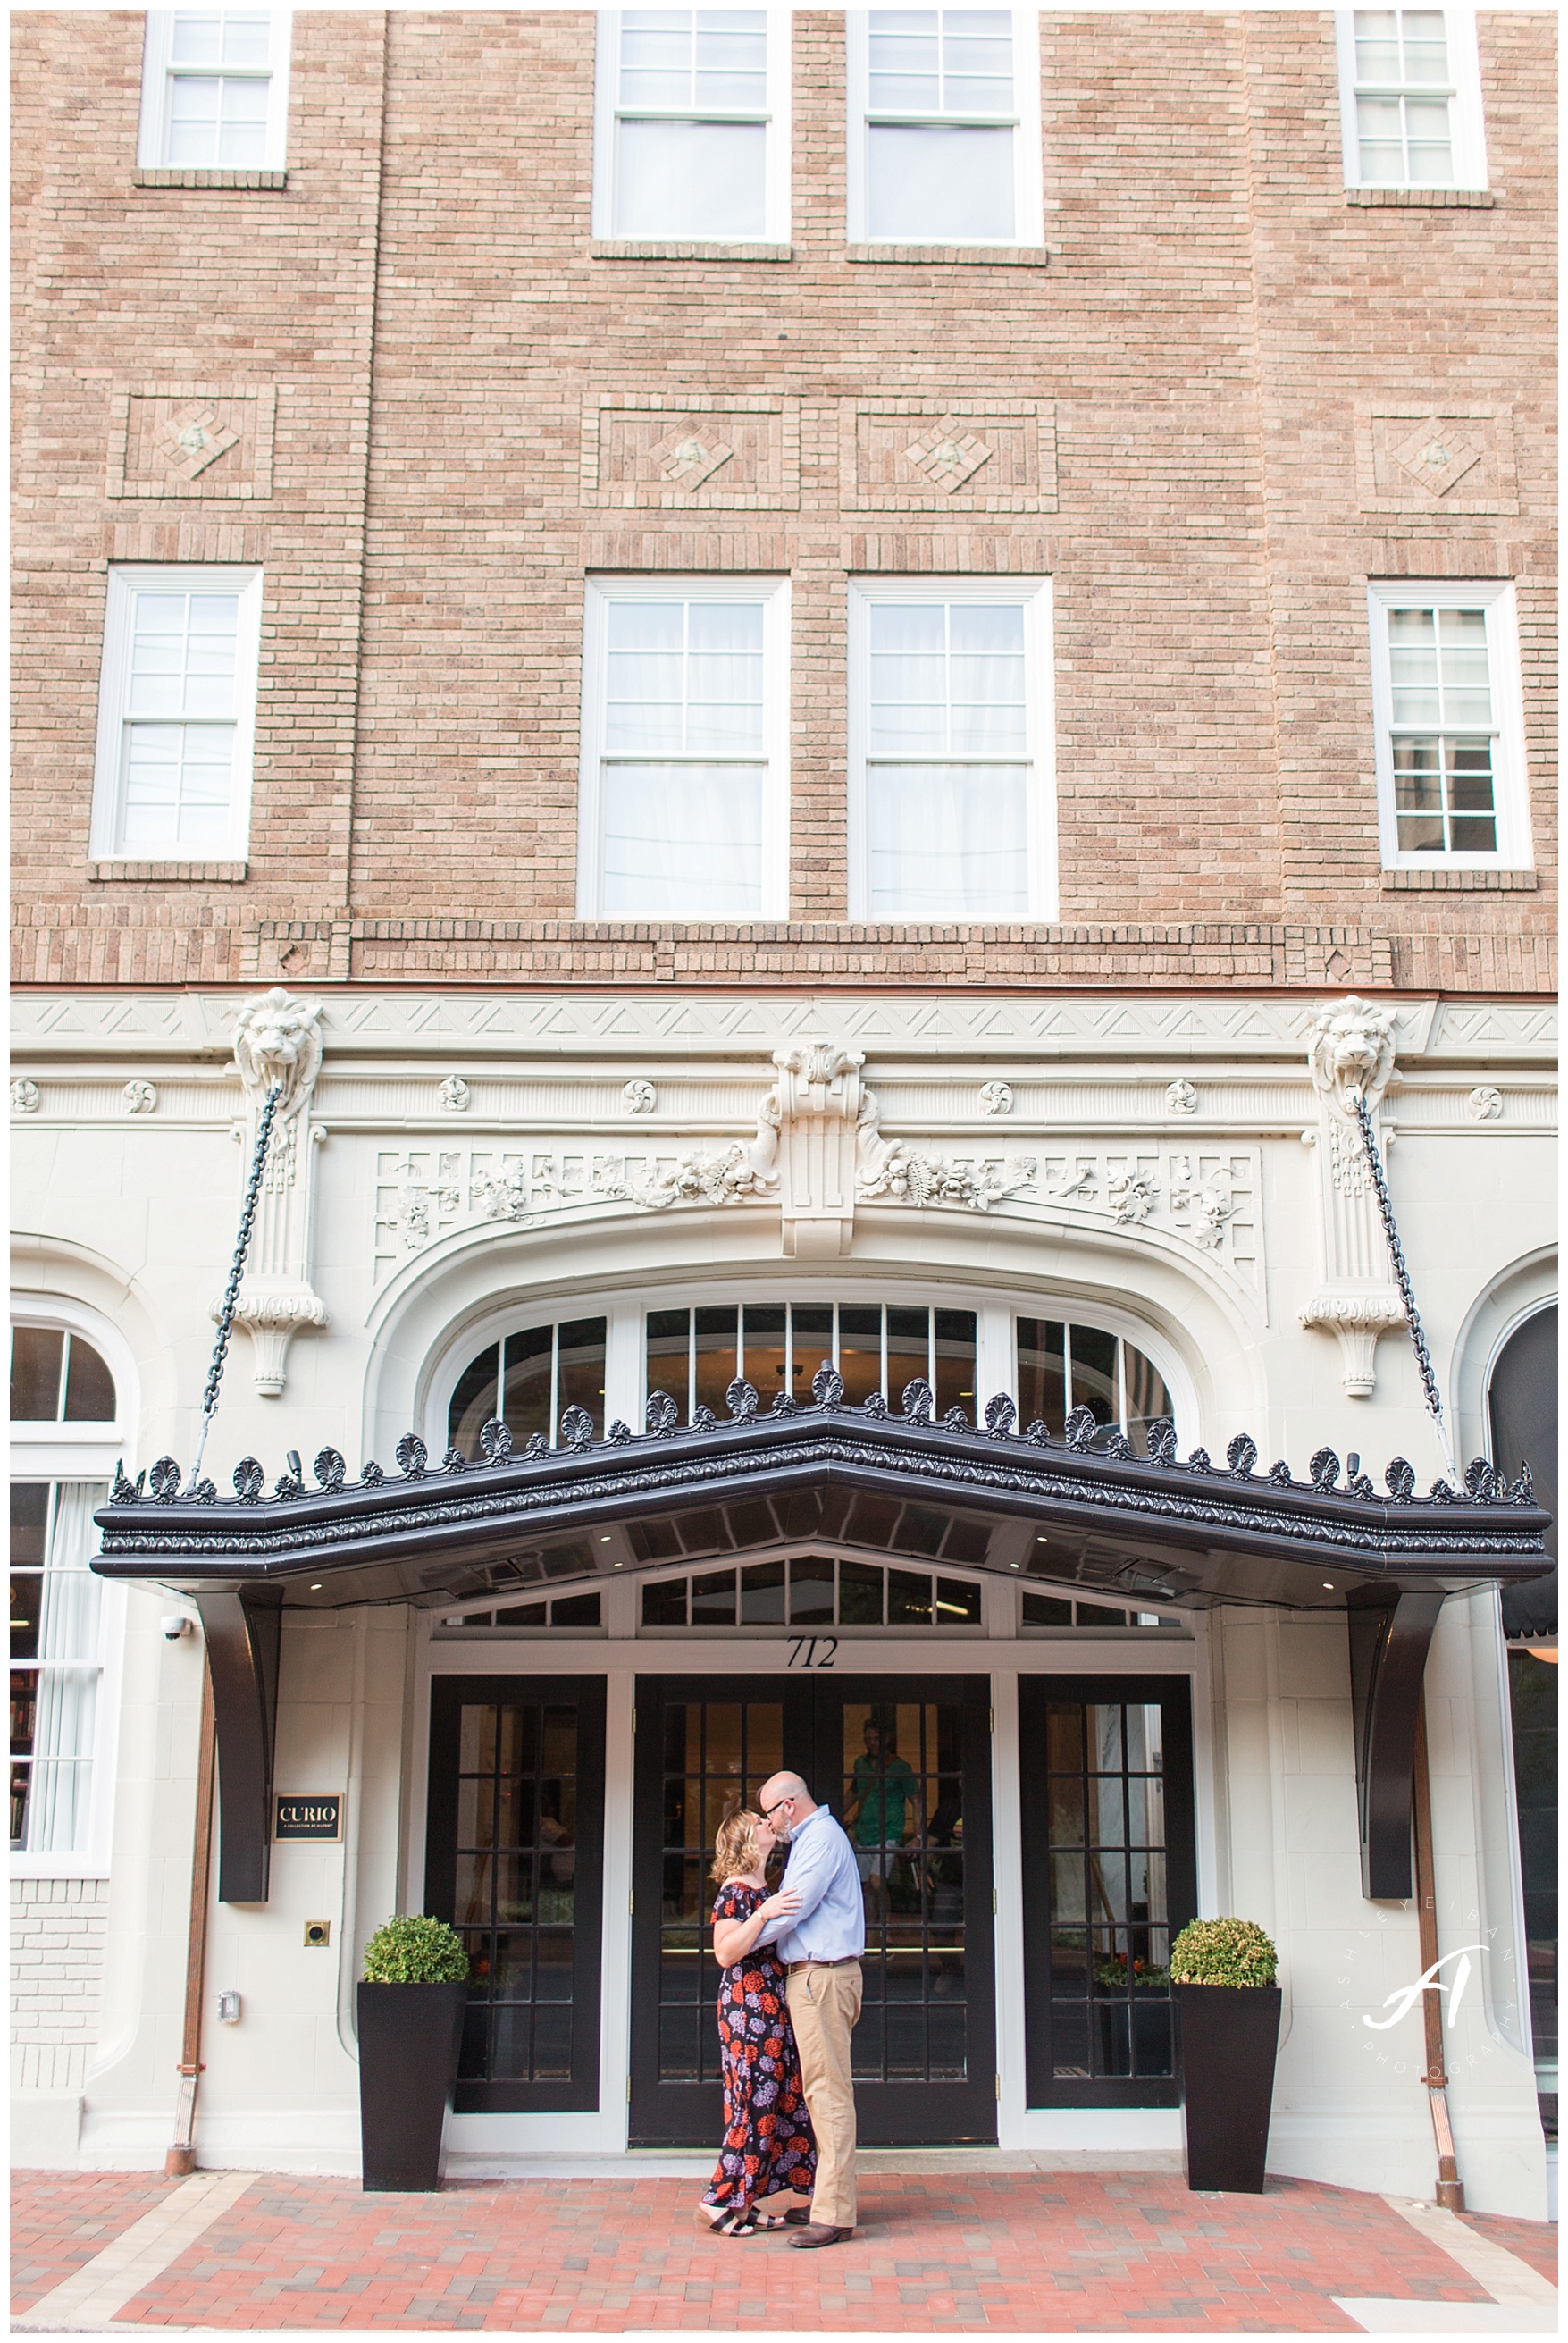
[61, 2219]
[1057, 2253]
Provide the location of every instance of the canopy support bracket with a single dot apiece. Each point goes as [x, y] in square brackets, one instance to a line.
[1390, 1635]
[243, 1633]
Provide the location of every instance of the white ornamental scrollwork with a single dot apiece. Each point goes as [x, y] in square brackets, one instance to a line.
[1484, 1104]
[139, 1098]
[996, 1097]
[639, 1097]
[455, 1097]
[1180, 1098]
[1133, 1196]
[24, 1096]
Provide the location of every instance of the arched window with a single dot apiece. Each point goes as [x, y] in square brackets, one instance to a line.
[57, 1380]
[57, 1377]
[528, 1380]
[1063, 1365]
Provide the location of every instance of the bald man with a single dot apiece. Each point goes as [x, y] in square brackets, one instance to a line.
[820, 1944]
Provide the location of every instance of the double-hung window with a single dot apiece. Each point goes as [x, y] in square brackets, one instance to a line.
[214, 89]
[944, 126]
[684, 808]
[63, 1433]
[950, 810]
[1449, 728]
[692, 140]
[1410, 98]
[176, 713]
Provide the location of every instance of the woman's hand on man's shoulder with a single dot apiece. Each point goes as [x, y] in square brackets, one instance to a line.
[781, 1907]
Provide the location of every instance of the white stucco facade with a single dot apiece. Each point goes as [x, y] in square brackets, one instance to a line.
[469, 1161]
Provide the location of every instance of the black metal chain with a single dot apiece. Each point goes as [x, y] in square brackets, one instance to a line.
[236, 1271]
[1401, 1273]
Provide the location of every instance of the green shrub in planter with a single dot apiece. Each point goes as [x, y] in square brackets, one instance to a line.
[1222, 1977]
[416, 1950]
[411, 2003]
[1223, 1952]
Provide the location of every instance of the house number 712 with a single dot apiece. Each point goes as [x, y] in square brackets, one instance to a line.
[812, 1650]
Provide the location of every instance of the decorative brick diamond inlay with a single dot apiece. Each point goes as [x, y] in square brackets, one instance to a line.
[193, 439]
[1436, 454]
[686, 459]
[948, 455]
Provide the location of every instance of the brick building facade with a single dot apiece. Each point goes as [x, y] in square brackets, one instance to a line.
[1225, 399]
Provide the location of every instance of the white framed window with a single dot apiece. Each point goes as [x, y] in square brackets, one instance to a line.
[684, 768]
[944, 126]
[214, 89]
[176, 713]
[952, 811]
[1410, 98]
[1450, 724]
[64, 1620]
[691, 139]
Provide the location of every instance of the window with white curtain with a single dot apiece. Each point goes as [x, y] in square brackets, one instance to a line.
[1410, 98]
[176, 712]
[950, 811]
[684, 802]
[214, 89]
[692, 133]
[1449, 719]
[57, 1664]
[944, 126]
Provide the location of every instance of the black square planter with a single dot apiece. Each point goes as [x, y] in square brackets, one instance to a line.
[1228, 2034]
[409, 2037]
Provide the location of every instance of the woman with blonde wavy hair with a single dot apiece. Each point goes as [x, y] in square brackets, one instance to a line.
[769, 2148]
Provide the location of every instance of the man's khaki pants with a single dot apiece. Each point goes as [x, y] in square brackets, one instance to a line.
[824, 2005]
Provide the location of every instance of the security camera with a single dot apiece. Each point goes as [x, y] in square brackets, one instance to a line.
[175, 1624]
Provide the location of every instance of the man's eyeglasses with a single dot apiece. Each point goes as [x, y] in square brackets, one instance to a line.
[769, 1812]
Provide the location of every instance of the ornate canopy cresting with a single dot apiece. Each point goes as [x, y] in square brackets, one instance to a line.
[1083, 1509]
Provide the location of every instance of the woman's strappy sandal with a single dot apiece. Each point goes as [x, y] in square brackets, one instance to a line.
[738, 2222]
[795, 2218]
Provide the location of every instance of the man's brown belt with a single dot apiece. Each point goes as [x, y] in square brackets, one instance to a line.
[791, 1966]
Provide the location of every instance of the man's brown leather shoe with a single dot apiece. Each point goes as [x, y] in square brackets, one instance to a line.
[817, 2233]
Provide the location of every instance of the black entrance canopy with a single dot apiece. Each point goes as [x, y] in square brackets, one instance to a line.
[1083, 1509]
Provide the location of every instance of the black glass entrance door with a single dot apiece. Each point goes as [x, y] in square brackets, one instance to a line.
[1109, 1877]
[906, 1766]
[515, 1859]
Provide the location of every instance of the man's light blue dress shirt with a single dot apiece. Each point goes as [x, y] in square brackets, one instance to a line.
[830, 1924]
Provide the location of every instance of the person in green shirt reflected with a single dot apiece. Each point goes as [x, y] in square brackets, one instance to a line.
[884, 1787]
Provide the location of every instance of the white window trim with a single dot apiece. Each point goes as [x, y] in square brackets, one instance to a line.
[775, 179]
[152, 138]
[772, 595]
[1495, 596]
[1029, 194]
[1035, 595]
[1467, 124]
[126, 578]
[69, 1451]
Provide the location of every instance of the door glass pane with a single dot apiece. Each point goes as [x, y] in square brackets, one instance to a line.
[1109, 1939]
[717, 1755]
[516, 1884]
[903, 1802]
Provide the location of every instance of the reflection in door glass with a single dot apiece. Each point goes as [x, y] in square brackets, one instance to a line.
[717, 1755]
[902, 1805]
[1110, 1936]
[516, 1886]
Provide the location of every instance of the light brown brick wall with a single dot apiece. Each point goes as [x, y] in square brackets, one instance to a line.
[1213, 319]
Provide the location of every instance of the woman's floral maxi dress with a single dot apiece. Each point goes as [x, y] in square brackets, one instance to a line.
[768, 2142]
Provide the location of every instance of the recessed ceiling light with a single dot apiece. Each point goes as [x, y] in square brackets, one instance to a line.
[1015, 1566]
[604, 1541]
[316, 1586]
[1329, 1585]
